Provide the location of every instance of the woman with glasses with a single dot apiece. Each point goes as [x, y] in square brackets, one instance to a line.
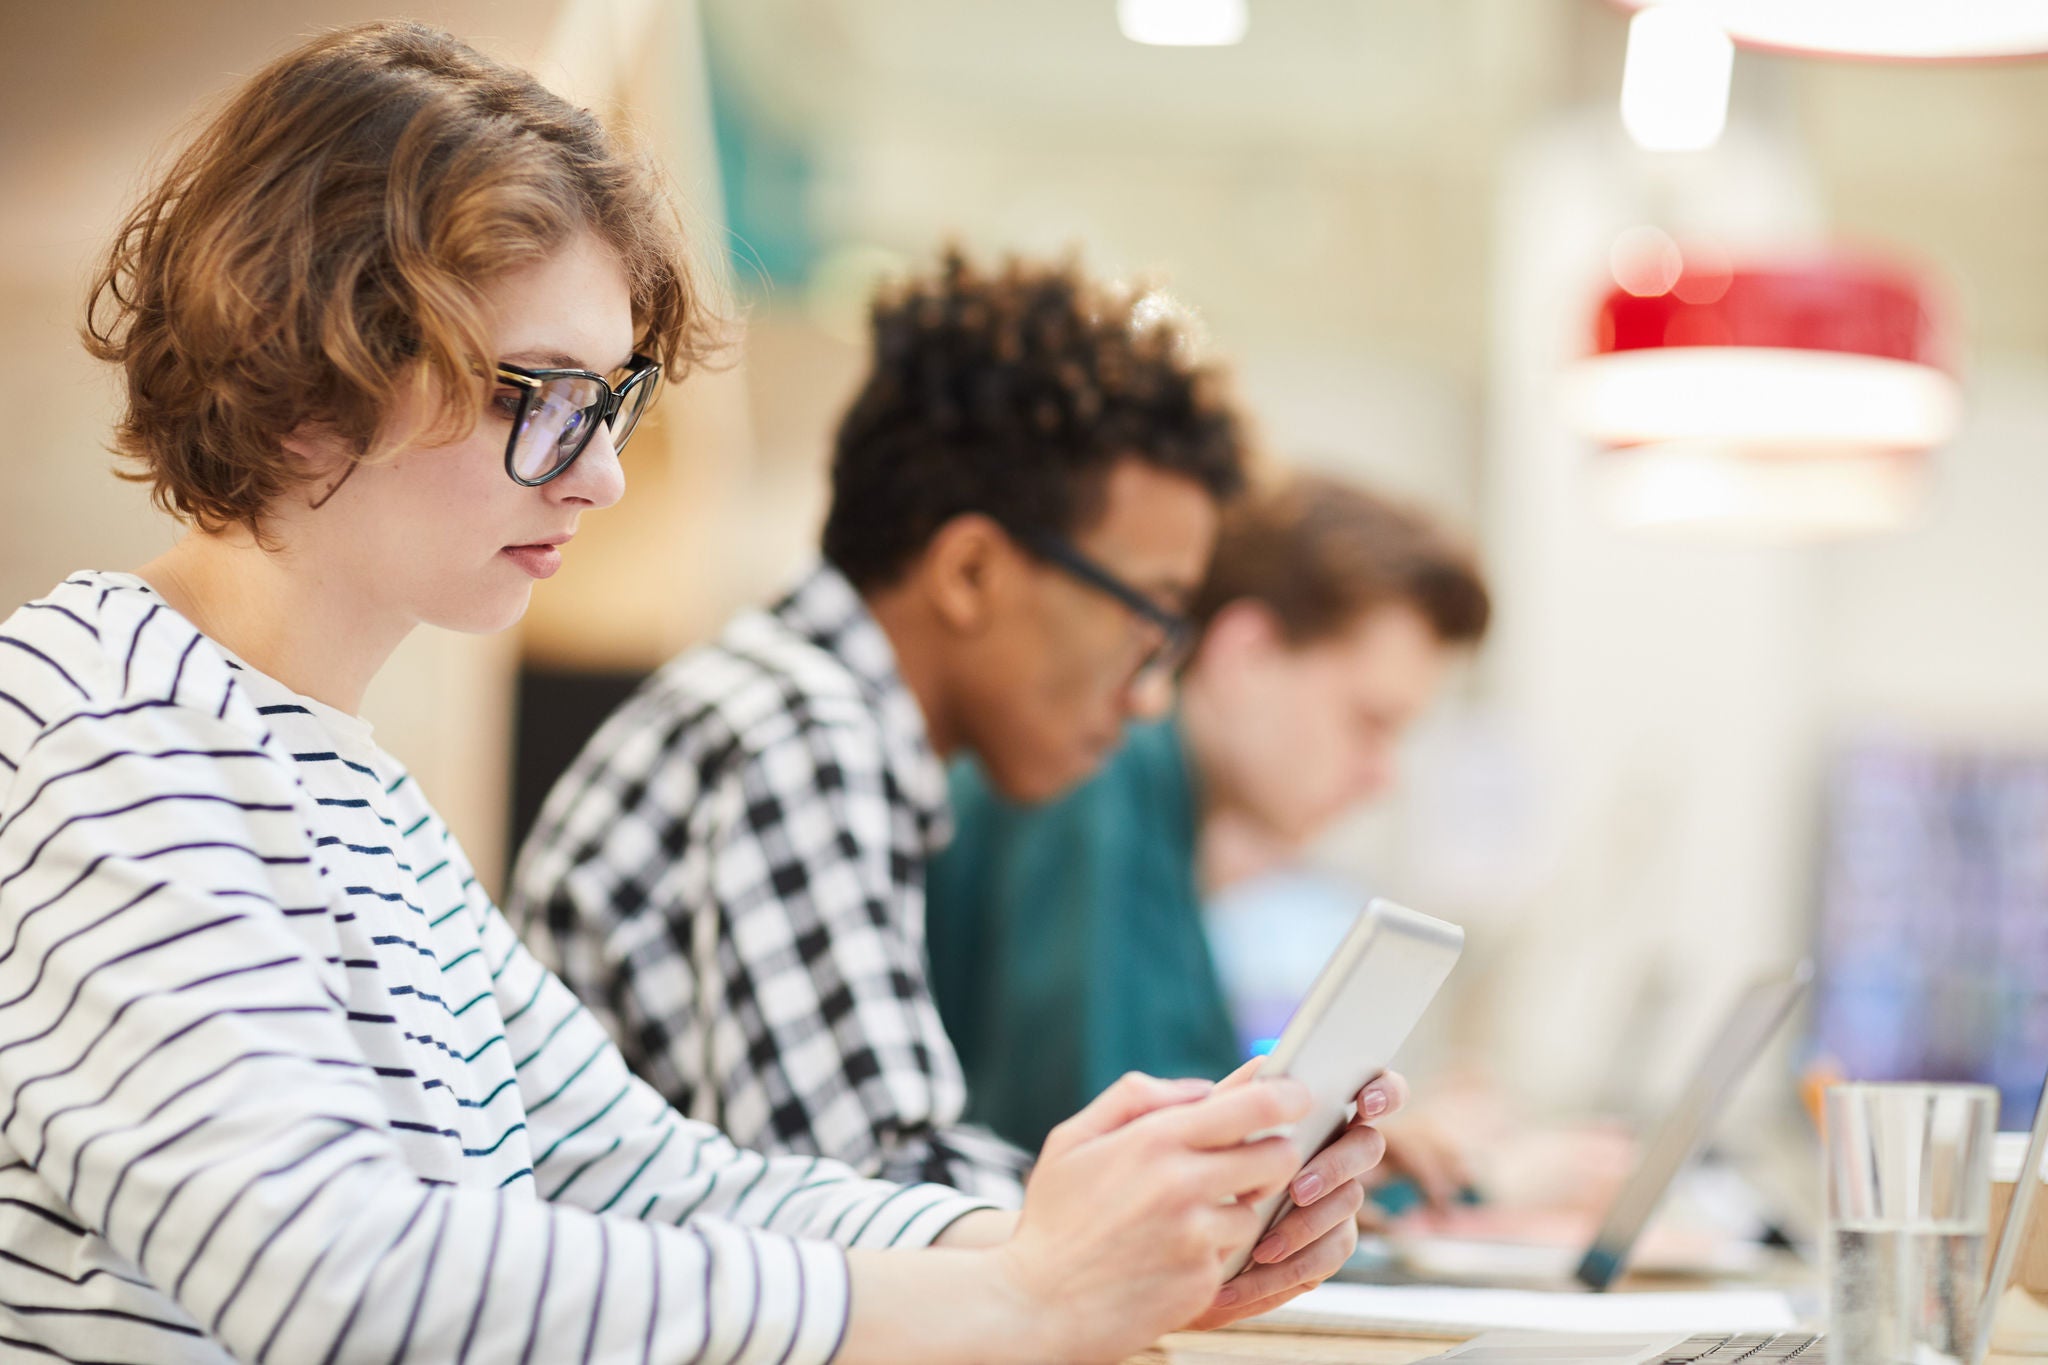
[276, 1080]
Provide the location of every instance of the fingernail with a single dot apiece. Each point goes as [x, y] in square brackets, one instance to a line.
[1308, 1189]
[1226, 1297]
[1374, 1104]
[1268, 1251]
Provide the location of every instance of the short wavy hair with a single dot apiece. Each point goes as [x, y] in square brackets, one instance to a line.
[324, 245]
[1012, 391]
[1321, 553]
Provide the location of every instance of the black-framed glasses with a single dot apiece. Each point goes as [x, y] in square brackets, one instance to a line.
[558, 411]
[1176, 632]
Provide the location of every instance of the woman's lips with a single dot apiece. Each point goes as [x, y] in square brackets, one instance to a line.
[539, 561]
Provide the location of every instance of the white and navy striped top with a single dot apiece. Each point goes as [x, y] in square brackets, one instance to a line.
[277, 1082]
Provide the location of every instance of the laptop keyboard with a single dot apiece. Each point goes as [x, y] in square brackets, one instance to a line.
[1757, 1348]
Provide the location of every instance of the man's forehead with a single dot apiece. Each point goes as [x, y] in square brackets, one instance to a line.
[1153, 520]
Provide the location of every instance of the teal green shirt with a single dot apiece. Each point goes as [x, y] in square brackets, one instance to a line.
[1066, 939]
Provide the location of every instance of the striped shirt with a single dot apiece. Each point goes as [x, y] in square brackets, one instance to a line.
[277, 1081]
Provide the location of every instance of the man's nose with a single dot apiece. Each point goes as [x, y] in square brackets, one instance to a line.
[1150, 695]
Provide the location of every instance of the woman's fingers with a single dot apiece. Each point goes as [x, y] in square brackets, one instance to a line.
[1386, 1094]
[1231, 1116]
[1249, 1173]
[1130, 1098]
[1356, 1151]
[1303, 1227]
[1243, 1073]
[1259, 1287]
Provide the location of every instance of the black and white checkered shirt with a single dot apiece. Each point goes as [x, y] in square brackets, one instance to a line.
[731, 875]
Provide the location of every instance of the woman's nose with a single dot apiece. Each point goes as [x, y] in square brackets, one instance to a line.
[596, 479]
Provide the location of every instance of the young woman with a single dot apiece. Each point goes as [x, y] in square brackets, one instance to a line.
[276, 1081]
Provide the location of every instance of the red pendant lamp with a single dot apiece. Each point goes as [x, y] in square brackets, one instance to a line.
[1796, 397]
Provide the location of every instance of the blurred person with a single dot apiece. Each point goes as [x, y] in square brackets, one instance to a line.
[1025, 493]
[1067, 938]
[277, 1080]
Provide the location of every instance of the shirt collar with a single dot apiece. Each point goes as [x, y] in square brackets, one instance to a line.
[825, 609]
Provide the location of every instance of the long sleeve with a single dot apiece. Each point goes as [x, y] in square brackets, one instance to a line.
[183, 1075]
[750, 932]
[731, 876]
[605, 1140]
[819, 960]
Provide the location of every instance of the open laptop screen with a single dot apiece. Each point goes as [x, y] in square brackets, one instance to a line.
[1758, 1014]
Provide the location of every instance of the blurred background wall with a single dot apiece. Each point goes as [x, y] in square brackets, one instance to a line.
[1394, 216]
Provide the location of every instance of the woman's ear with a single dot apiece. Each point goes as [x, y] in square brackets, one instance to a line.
[323, 459]
[317, 449]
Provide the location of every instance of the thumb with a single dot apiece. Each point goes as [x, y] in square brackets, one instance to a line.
[1242, 1074]
[1133, 1096]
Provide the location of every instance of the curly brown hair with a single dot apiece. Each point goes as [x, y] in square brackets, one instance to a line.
[324, 246]
[1320, 553]
[1012, 392]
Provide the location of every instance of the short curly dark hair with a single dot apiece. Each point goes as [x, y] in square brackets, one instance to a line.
[1013, 392]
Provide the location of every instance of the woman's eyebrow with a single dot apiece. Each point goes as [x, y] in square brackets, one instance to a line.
[561, 360]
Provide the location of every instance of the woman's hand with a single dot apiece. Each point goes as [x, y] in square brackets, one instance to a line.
[1136, 1205]
[1308, 1245]
[1138, 1201]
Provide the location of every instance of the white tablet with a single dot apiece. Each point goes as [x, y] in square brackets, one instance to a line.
[1364, 1004]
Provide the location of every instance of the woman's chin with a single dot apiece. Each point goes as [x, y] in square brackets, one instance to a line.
[487, 613]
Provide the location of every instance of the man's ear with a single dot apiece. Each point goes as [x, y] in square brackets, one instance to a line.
[969, 571]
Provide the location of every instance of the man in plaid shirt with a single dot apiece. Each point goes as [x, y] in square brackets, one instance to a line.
[1024, 497]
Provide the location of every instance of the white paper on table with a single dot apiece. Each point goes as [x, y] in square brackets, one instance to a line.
[1446, 1311]
[2008, 1154]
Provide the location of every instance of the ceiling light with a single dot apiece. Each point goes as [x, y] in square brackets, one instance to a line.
[1182, 23]
[1825, 351]
[1794, 399]
[1798, 493]
[1674, 81]
[1899, 30]
[1739, 393]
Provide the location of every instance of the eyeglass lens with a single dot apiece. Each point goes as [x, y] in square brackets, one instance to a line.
[559, 420]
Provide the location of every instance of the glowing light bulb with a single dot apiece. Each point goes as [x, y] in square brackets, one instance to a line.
[1674, 82]
[1183, 23]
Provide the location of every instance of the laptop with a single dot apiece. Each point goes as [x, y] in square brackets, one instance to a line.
[1759, 1348]
[1757, 1015]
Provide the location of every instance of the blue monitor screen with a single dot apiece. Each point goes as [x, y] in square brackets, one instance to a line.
[1933, 933]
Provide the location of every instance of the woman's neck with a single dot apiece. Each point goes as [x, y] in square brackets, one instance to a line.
[315, 635]
[1234, 844]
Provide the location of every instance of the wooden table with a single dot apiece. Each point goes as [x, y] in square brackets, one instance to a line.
[1288, 1348]
[2018, 1316]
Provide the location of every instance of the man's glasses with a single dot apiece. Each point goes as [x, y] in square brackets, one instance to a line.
[1176, 632]
[554, 413]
